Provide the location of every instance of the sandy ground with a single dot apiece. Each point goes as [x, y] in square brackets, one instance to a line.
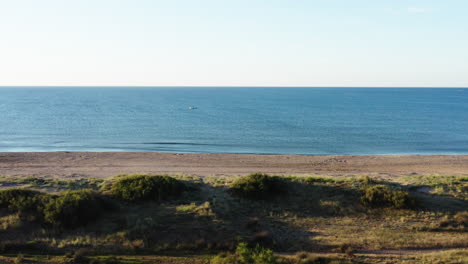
[105, 164]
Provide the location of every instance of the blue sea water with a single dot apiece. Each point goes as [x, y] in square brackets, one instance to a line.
[235, 120]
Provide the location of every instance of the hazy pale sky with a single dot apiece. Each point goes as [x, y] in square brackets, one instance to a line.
[234, 42]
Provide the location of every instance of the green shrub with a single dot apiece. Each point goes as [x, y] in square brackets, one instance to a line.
[147, 187]
[23, 200]
[383, 196]
[75, 208]
[246, 255]
[70, 209]
[259, 186]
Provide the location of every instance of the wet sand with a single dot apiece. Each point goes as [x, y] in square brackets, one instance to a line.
[105, 164]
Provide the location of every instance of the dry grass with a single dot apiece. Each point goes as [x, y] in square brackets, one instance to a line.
[455, 186]
[385, 231]
[40, 259]
[455, 256]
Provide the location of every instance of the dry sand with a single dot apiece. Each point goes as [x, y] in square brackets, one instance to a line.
[105, 164]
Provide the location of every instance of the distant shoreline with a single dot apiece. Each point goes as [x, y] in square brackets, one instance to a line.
[224, 86]
[105, 164]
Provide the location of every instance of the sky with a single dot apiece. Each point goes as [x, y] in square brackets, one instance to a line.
[368, 43]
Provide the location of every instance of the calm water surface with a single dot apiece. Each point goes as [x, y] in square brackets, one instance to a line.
[236, 120]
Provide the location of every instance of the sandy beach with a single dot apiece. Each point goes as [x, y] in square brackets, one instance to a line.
[106, 164]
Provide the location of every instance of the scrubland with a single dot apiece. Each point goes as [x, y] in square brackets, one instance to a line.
[257, 218]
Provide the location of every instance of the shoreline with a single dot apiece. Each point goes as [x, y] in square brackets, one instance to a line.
[65, 164]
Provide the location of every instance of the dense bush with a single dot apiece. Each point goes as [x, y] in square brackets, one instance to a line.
[246, 255]
[383, 196]
[147, 187]
[71, 209]
[75, 208]
[259, 186]
[23, 200]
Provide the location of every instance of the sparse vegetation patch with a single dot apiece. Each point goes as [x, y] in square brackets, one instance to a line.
[459, 220]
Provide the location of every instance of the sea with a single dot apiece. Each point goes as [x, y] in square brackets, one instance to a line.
[256, 120]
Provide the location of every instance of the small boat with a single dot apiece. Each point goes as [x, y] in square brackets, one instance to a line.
[192, 107]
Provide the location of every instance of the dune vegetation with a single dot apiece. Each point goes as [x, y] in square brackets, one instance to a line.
[256, 218]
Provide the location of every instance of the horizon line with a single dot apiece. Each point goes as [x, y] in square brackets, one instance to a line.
[219, 86]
